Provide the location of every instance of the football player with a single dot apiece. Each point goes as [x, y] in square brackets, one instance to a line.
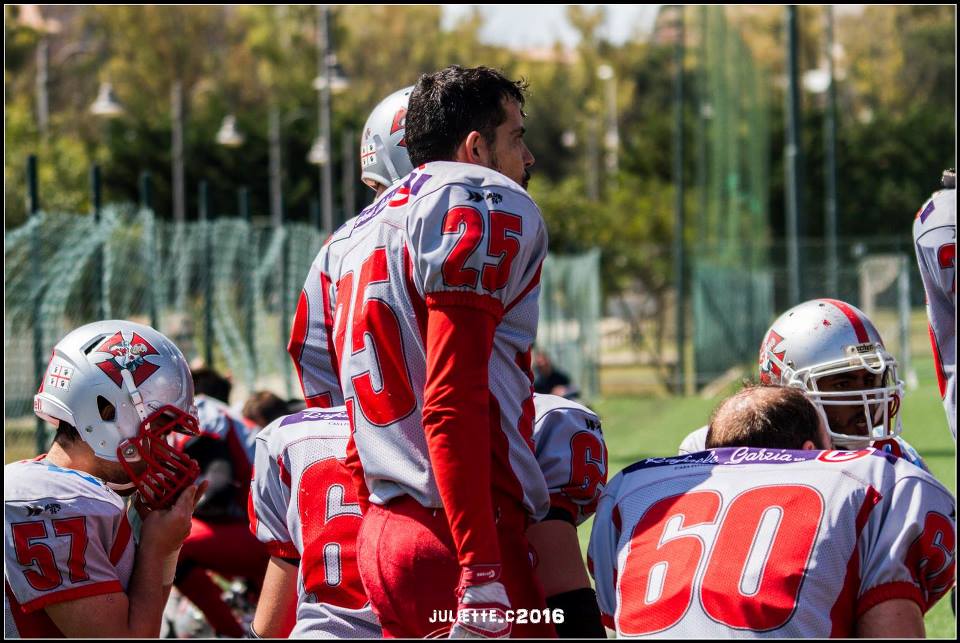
[220, 540]
[74, 566]
[436, 311]
[935, 235]
[569, 444]
[304, 507]
[833, 352]
[383, 161]
[571, 452]
[765, 536]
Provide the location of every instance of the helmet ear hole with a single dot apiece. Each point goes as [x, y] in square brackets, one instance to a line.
[108, 412]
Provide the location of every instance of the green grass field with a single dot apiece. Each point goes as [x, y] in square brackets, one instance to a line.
[636, 428]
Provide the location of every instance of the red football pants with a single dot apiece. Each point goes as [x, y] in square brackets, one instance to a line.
[228, 549]
[408, 564]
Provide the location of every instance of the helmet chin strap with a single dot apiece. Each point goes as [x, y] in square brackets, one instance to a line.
[140, 407]
[131, 387]
[121, 487]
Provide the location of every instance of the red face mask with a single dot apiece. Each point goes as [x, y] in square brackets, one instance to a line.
[168, 471]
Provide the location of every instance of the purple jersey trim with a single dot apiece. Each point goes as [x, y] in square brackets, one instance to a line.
[311, 415]
[753, 455]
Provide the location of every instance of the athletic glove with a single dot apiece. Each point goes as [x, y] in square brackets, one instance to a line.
[482, 604]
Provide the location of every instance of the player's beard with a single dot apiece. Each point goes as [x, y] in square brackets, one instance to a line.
[524, 180]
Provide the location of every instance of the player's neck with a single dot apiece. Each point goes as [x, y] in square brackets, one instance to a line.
[72, 457]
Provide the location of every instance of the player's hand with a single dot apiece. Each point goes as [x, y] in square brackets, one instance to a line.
[164, 530]
[482, 605]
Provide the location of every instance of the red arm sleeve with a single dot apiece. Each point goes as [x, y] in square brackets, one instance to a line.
[457, 425]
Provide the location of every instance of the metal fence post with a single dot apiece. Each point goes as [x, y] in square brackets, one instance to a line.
[100, 279]
[203, 208]
[146, 204]
[284, 298]
[33, 208]
[795, 227]
[243, 204]
[679, 226]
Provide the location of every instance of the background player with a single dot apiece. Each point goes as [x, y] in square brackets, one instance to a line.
[303, 506]
[935, 236]
[383, 161]
[113, 390]
[571, 453]
[767, 542]
[833, 352]
[220, 540]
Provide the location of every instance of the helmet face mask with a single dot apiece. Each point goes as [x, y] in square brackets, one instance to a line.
[870, 410]
[167, 471]
[832, 351]
[142, 378]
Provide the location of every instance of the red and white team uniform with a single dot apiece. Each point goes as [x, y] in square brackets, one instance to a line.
[935, 235]
[303, 505]
[66, 537]
[768, 543]
[572, 455]
[436, 282]
[452, 235]
[311, 341]
[897, 446]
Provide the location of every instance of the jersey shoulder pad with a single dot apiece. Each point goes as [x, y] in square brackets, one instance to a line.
[59, 490]
[545, 403]
[475, 184]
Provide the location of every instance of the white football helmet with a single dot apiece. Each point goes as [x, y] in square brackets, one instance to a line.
[825, 337]
[383, 151]
[145, 378]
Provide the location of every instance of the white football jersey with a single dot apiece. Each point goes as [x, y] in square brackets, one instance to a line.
[768, 543]
[935, 235]
[66, 537]
[303, 505]
[311, 341]
[572, 455]
[450, 233]
[697, 441]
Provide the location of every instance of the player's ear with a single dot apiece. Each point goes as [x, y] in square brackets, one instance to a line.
[809, 445]
[473, 149]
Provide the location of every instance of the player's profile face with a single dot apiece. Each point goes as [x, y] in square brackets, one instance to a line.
[510, 155]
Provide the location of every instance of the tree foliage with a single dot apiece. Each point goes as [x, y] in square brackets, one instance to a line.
[896, 129]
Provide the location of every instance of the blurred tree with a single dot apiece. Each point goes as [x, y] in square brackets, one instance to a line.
[896, 76]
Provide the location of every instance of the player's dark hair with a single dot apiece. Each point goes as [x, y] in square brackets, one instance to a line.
[447, 105]
[66, 434]
[263, 407]
[209, 382]
[774, 417]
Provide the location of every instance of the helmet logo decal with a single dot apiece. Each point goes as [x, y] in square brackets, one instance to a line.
[127, 356]
[770, 370]
[59, 376]
[399, 123]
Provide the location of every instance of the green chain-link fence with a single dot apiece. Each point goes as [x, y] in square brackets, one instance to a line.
[225, 282]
